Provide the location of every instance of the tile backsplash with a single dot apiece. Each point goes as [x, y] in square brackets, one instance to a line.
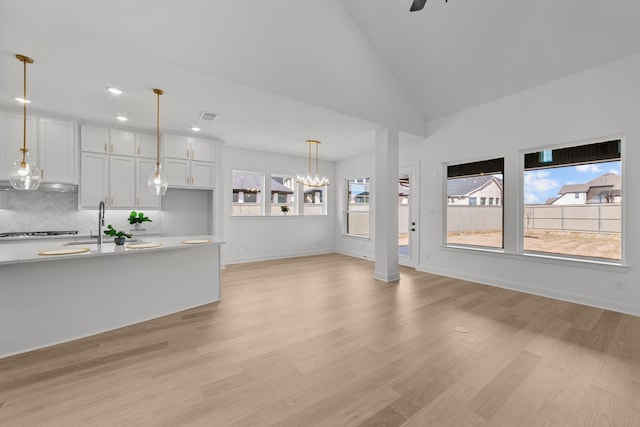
[52, 211]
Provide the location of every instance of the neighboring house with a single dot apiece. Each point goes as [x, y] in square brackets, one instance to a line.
[477, 190]
[247, 189]
[603, 189]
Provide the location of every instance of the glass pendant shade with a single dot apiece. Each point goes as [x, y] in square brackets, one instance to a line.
[157, 182]
[24, 174]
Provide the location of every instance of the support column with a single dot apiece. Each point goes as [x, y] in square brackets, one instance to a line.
[386, 205]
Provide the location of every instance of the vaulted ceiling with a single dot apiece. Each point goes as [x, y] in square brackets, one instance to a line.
[280, 71]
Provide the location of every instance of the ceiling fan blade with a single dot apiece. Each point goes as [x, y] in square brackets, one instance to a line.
[417, 5]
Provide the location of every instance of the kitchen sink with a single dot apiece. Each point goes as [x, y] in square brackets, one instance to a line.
[93, 242]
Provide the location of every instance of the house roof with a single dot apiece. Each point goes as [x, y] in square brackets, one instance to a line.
[610, 179]
[249, 182]
[466, 186]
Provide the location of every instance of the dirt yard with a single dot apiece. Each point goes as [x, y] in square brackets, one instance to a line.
[567, 243]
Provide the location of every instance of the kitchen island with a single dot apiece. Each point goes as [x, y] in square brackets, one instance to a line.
[50, 299]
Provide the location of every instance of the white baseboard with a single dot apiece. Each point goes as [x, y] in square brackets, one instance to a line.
[355, 255]
[544, 292]
[271, 257]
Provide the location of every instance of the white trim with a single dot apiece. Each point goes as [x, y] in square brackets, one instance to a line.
[544, 292]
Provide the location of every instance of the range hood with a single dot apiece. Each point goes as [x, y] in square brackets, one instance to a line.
[51, 187]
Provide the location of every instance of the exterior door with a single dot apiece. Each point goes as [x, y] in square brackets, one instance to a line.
[408, 214]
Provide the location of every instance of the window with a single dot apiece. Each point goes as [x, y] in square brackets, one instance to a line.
[572, 201]
[283, 200]
[248, 188]
[314, 200]
[470, 223]
[357, 212]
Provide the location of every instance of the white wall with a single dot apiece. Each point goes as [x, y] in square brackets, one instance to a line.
[597, 103]
[260, 238]
[187, 212]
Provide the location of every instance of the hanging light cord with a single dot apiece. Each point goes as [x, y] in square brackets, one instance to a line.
[24, 149]
[158, 92]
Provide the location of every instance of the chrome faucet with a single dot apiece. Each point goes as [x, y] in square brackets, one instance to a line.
[100, 222]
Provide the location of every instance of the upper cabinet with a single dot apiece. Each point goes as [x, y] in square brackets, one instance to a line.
[52, 144]
[146, 146]
[182, 147]
[100, 140]
[57, 150]
[188, 162]
[11, 139]
[95, 140]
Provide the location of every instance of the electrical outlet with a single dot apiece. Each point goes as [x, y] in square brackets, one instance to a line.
[619, 285]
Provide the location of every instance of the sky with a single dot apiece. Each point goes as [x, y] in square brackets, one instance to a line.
[544, 183]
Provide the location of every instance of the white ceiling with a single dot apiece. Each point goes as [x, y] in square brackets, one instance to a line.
[281, 71]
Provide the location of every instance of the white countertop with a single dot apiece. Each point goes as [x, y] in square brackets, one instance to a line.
[27, 251]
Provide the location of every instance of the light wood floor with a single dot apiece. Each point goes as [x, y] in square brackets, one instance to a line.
[316, 341]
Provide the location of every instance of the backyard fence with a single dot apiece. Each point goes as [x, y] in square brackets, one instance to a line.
[591, 218]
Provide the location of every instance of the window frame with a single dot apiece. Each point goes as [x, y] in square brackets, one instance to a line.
[261, 203]
[347, 187]
[560, 257]
[471, 168]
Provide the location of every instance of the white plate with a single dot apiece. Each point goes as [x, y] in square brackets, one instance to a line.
[144, 245]
[65, 251]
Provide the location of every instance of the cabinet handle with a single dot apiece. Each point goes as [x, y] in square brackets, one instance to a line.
[106, 150]
[138, 151]
[187, 180]
[112, 148]
[187, 153]
[193, 180]
[111, 200]
[106, 199]
[42, 173]
[193, 154]
[137, 200]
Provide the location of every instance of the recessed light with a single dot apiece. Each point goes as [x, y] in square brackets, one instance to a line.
[195, 129]
[22, 100]
[114, 90]
[122, 118]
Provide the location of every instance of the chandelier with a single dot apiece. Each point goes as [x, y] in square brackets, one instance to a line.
[313, 180]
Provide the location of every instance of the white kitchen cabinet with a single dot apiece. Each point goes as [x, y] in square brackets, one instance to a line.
[201, 150]
[144, 198]
[94, 139]
[101, 140]
[201, 175]
[188, 162]
[182, 147]
[177, 172]
[146, 146]
[188, 174]
[121, 181]
[176, 147]
[122, 143]
[94, 179]
[11, 140]
[57, 150]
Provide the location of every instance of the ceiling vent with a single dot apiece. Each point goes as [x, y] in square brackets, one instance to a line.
[207, 116]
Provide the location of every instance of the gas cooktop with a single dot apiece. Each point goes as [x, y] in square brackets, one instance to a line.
[37, 233]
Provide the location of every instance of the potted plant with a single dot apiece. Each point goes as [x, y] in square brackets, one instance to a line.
[137, 218]
[284, 209]
[119, 236]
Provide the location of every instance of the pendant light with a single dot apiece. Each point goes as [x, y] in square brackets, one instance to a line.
[313, 180]
[157, 181]
[24, 174]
